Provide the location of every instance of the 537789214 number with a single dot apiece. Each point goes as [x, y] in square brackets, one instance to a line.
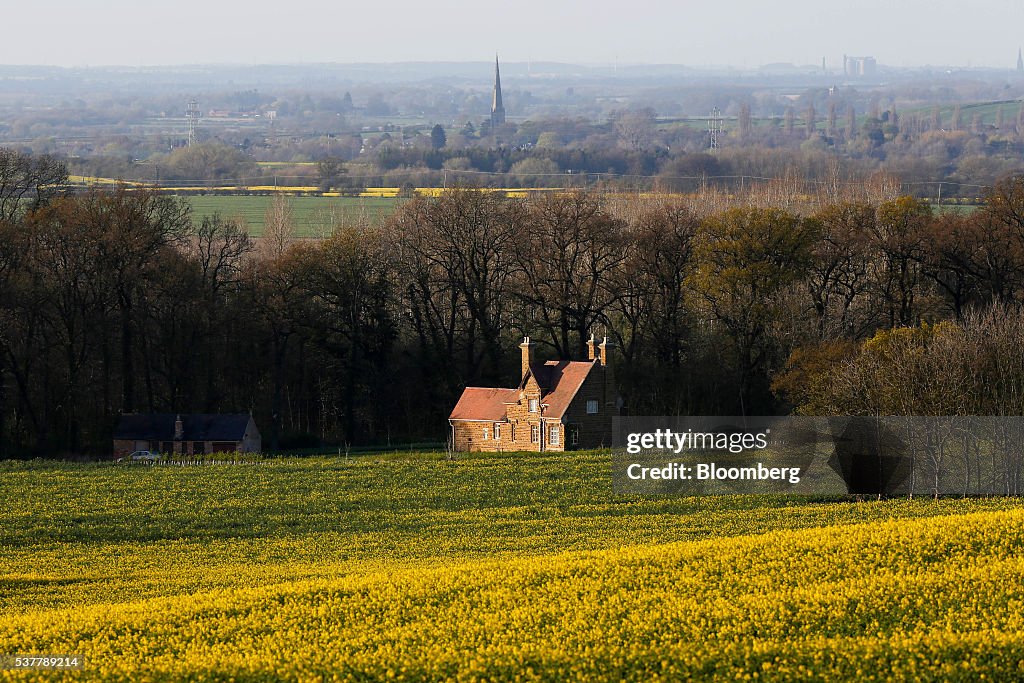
[10, 662]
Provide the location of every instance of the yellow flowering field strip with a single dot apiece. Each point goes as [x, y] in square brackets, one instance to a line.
[901, 600]
[493, 568]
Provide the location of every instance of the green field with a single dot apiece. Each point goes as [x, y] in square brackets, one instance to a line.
[313, 215]
[988, 113]
[498, 567]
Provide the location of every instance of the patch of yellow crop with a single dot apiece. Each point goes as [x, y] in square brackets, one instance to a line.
[925, 599]
[280, 188]
[95, 180]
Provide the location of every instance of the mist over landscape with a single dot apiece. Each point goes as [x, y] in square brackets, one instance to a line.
[655, 97]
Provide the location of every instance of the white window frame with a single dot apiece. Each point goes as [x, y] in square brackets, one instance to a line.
[554, 435]
[497, 432]
[595, 404]
[534, 433]
[487, 433]
[534, 405]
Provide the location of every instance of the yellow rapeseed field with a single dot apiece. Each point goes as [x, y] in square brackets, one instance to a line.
[495, 568]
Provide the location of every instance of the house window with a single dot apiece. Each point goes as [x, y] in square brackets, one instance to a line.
[592, 407]
[487, 433]
[497, 432]
[554, 435]
[534, 404]
[573, 432]
[534, 433]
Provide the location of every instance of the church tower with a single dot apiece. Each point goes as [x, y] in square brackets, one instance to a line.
[497, 108]
[1020, 61]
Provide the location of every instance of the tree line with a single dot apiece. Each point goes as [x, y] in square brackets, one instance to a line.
[121, 301]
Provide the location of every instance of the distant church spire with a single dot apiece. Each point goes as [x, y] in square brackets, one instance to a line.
[497, 108]
[1020, 60]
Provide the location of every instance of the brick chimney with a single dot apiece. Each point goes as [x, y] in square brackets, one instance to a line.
[527, 348]
[179, 429]
[591, 348]
[603, 348]
[611, 394]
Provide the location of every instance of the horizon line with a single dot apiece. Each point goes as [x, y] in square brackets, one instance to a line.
[525, 62]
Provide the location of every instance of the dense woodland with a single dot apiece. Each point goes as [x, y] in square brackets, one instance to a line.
[854, 301]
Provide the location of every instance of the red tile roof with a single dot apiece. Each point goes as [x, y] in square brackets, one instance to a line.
[559, 381]
[483, 403]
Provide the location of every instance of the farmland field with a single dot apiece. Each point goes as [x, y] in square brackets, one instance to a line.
[312, 215]
[527, 567]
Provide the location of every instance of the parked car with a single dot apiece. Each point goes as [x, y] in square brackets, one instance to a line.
[140, 456]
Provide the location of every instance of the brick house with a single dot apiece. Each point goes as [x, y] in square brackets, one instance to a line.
[186, 434]
[559, 405]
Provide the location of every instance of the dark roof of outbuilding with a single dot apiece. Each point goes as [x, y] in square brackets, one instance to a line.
[197, 427]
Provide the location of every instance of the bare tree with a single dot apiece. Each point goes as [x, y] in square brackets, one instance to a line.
[636, 129]
[838, 274]
[565, 263]
[745, 126]
[457, 259]
[27, 181]
[278, 226]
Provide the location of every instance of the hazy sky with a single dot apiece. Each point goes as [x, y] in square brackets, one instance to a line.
[738, 32]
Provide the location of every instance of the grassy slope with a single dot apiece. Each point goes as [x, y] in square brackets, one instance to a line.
[987, 111]
[379, 563]
[311, 214]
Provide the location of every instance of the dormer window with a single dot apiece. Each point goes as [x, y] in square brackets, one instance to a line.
[534, 405]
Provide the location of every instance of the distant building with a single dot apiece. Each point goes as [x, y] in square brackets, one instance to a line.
[186, 434]
[859, 67]
[1020, 61]
[497, 108]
